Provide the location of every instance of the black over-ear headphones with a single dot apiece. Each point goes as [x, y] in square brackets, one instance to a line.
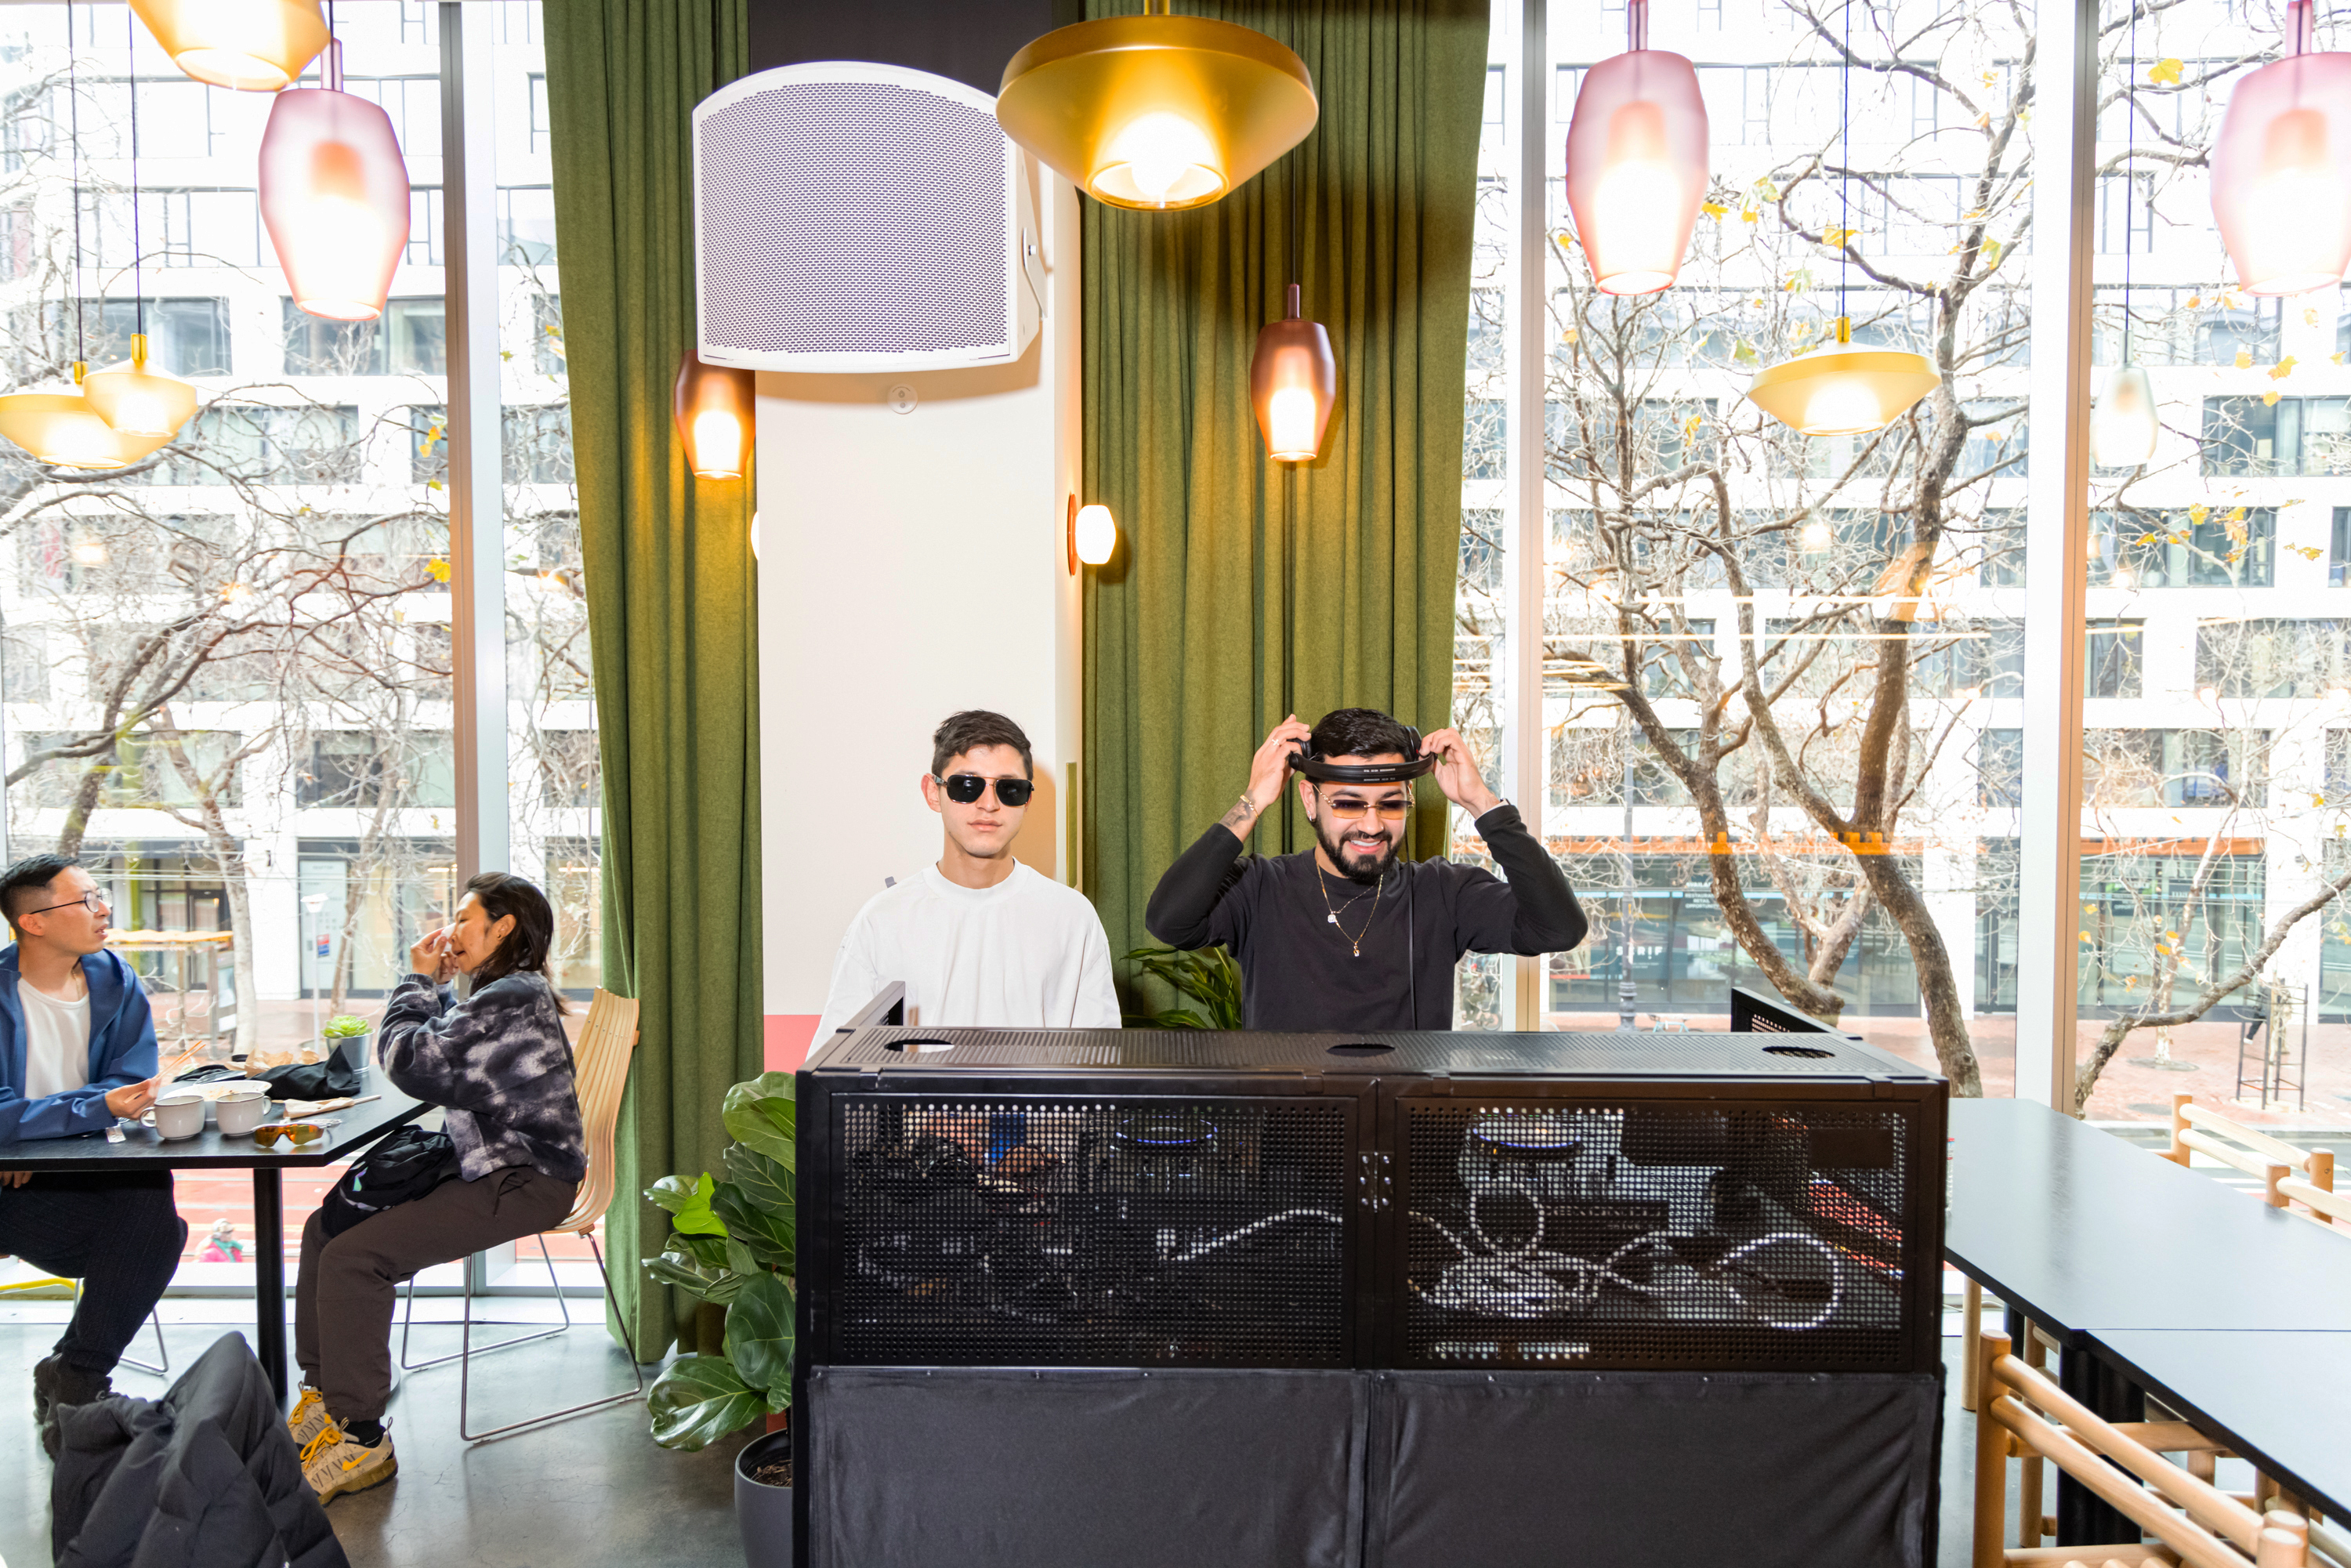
[1306, 765]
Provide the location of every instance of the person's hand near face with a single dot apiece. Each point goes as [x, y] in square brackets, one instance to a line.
[431, 957]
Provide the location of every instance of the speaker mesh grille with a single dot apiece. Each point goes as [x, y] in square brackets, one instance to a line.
[1656, 1235]
[852, 218]
[1094, 1232]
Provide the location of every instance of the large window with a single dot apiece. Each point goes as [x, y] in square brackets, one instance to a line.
[228, 681]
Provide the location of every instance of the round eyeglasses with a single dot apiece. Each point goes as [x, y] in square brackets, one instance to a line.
[93, 901]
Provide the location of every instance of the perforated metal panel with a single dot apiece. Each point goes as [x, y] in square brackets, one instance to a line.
[990, 1230]
[854, 216]
[1661, 1234]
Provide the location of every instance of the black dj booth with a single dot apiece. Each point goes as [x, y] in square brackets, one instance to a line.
[1078, 1298]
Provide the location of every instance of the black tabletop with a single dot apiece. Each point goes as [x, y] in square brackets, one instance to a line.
[2282, 1399]
[141, 1149]
[2085, 1233]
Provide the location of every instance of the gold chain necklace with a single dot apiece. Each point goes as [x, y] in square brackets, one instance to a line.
[1355, 943]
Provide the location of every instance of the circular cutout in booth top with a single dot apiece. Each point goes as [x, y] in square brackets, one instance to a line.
[1362, 1048]
[1809, 1053]
[918, 1045]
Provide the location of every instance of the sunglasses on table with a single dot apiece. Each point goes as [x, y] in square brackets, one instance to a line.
[295, 1133]
[965, 788]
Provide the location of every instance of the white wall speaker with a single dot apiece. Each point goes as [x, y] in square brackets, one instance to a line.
[854, 217]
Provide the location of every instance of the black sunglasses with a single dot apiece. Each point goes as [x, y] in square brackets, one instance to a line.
[965, 789]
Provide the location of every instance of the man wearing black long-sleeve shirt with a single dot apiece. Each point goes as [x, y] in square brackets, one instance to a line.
[1349, 937]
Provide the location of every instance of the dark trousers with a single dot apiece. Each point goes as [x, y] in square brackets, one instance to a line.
[118, 1234]
[343, 1297]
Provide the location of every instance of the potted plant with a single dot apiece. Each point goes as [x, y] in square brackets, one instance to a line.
[345, 1038]
[1206, 977]
[731, 1245]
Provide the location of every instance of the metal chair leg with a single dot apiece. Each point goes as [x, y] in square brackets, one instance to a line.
[162, 1351]
[635, 1370]
[409, 1313]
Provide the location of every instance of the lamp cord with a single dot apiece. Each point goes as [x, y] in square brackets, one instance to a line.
[138, 252]
[73, 122]
[1844, 181]
[2130, 177]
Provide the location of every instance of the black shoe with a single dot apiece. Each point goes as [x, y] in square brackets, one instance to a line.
[58, 1388]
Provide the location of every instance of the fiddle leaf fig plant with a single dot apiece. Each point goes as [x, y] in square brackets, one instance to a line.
[733, 1242]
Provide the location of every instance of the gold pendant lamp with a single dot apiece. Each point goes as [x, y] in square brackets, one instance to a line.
[1839, 389]
[253, 45]
[1156, 111]
[139, 404]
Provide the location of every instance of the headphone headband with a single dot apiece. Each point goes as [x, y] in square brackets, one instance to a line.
[1414, 766]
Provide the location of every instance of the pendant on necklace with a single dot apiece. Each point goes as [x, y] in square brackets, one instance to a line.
[1333, 919]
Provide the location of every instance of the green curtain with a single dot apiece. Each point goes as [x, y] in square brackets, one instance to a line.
[1241, 591]
[672, 605]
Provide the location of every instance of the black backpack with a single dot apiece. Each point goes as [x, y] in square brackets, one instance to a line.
[400, 1169]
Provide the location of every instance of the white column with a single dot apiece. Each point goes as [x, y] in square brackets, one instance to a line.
[478, 611]
[2057, 533]
[1524, 755]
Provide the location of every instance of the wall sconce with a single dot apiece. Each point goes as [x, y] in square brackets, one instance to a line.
[1092, 535]
[713, 410]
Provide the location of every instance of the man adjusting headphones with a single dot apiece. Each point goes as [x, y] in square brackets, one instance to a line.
[1349, 936]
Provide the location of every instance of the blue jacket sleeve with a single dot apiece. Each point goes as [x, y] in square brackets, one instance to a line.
[126, 1054]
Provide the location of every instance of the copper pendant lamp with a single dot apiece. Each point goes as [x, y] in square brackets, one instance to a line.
[2282, 169]
[334, 197]
[1294, 382]
[256, 46]
[712, 406]
[1156, 111]
[1637, 171]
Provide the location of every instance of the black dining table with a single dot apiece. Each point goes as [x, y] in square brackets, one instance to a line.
[141, 1149]
[2088, 1236]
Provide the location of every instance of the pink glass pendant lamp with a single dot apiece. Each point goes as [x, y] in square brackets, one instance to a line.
[334, 196]
[1294, 382]
[1636, 162]
[2282, 169]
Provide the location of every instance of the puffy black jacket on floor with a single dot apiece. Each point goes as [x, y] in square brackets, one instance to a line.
[207, 1477]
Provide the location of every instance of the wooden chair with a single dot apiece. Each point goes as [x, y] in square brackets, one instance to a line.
[600, 1064]
[2023, 1411]
[2286, 1172]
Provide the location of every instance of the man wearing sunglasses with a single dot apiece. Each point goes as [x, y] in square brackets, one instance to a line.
[979, 939]
[78, 1051]
[1349, 936]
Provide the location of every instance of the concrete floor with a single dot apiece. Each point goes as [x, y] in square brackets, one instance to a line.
[585, 1493]
[589, 1492]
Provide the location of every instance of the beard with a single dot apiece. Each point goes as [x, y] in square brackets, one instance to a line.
[1356, 866]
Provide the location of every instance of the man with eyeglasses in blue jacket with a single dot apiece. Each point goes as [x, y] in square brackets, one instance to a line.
[77, 1051]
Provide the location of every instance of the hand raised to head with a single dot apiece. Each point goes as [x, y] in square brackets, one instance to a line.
[1457, 772]
[1270, 768]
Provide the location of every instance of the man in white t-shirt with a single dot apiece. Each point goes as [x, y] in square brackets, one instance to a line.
[78, 1051]
[979, 939]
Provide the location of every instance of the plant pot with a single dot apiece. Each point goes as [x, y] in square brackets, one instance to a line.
[764, 1512]
[351, 1051]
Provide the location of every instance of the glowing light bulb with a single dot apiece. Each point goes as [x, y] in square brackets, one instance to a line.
[2122, 579]
[2207, 693]
[718, 444]
[1841, 407]
[2296, 215]
[1160, 159]
[1637, 209]
[90, 552]
[2123, 428]
[1816, 536]
[1097, 534]
[1290, 418]
[754, 536]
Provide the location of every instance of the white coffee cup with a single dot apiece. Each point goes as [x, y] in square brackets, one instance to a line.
[242, 1109]
[179, 1115]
